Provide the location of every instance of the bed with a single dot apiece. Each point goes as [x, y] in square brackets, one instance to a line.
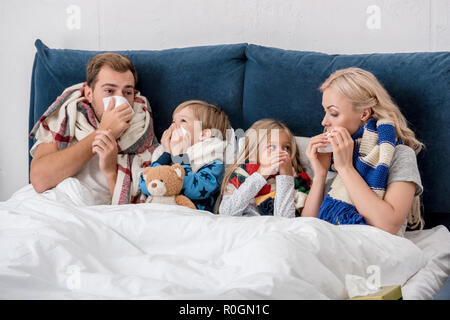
[59, 245]
[56, 246]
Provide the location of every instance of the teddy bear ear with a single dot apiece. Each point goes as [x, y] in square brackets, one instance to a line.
[178, 170]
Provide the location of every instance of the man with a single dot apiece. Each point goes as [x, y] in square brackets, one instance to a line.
[77, 137]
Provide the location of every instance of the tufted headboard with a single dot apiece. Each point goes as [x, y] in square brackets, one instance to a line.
[251, 82]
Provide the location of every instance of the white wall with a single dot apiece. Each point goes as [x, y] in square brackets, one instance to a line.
[331, 26]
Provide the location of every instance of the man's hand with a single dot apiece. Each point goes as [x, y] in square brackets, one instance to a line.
[116, 119]
[105, 146]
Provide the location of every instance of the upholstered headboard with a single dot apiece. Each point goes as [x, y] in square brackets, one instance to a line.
[251, 82]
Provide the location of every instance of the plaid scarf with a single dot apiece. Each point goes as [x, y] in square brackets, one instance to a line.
[372, 156]
[265, 198]
[71, 118]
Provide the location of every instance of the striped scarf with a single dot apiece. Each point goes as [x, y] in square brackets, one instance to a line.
[265, 198]
[71, 118]
[372, 155]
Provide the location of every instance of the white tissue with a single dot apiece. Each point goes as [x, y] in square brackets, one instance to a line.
[118, 101]
[359, 286]
[328, 148]
[184, 131]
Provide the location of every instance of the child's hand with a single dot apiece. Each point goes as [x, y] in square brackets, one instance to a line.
[178, 141]
[285, 164]
[273, 167]
[165, 139]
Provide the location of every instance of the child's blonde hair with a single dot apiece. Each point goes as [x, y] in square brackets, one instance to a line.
[257, 134]
[211, 116]
[364, 90]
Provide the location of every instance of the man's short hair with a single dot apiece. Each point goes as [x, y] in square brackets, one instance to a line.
[115, 61]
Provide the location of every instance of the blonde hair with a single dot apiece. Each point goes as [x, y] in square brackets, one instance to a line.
[257, 134]
[364, 91]
[211, 116]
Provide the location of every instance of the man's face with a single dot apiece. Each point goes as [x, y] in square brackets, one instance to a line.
[110, 83]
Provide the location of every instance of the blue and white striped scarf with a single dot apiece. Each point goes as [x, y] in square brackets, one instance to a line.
[372, 155]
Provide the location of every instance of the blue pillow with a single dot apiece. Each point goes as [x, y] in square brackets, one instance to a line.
[284, 84]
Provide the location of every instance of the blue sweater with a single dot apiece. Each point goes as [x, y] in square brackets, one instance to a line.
[202, 187]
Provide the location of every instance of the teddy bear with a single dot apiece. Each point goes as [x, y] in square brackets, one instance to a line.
[164, 184]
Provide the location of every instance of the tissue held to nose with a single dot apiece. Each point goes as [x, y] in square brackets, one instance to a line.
[118, 101]
[328, 148]
[184, 131]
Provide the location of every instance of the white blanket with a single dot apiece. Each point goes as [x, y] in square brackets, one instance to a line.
[56, 246]
[435, 244]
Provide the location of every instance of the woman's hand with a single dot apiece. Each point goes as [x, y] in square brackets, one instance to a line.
[343, 146]
[320, 162]
[178, 141]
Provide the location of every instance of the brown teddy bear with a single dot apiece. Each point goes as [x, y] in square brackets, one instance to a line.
[164, 183]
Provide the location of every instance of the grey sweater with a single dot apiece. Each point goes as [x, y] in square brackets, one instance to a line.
[241, 202]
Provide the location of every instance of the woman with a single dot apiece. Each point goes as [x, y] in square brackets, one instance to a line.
[373, 153]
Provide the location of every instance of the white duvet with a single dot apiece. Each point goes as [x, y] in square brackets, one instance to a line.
[56, 246]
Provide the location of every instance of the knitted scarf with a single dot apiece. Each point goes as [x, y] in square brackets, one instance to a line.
[265, 198]
[71, 118]
[201, 153]
[372, 156]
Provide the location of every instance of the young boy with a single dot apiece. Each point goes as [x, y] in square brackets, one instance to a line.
[196, 139]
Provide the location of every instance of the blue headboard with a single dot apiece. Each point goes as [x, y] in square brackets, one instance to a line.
[251, 82]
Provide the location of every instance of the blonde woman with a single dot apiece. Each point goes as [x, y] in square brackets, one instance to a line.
[266, 178]
[373, 153]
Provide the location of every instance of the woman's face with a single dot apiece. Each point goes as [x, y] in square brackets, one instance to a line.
[339, 112]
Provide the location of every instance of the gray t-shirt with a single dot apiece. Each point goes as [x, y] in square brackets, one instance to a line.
[404, 167]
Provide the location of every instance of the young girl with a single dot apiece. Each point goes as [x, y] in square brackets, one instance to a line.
[266, 178]
[373, 153]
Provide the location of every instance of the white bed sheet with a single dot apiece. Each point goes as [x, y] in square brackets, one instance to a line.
[58, 246]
